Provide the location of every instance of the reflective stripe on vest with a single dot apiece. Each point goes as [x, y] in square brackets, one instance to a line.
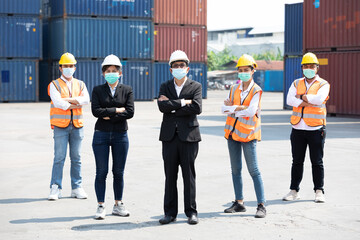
[62, 118]
[315, 115]
[243, 129]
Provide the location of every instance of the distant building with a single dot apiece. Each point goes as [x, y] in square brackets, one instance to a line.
[247, 40]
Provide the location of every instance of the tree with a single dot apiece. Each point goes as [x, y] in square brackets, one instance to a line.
[269, 55]
[215, 60]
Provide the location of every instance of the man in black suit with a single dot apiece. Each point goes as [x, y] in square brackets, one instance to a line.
[180, 101]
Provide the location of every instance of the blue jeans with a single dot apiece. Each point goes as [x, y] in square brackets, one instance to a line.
[119, 143]
[62, 137]
[252, 165]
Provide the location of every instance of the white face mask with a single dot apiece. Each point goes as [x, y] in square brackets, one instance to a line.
[68, 72]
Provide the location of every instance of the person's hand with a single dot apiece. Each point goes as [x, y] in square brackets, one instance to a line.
[120, 110]
[241, 107]
[106, 118]
[189, 101]
[72, 106]
[305, 99]
[162, 98]
[72, 101]
[227, 102]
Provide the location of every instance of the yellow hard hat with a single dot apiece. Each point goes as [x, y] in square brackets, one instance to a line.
[246, 60]
[309, 58]
[67, 58]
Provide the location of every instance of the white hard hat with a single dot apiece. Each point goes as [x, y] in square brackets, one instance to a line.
[178, 55]
[111, 60]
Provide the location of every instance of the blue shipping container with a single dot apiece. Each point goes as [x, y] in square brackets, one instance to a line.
[19, 80]
[28, 7]
[197, 72]
[292, 71]
[274, 81]
[137, 74]
[20, 37]
[97, 38]
[294, 29]
[113, 8]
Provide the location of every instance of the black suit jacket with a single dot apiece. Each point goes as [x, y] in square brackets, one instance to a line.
[182, 119]
[103, 104]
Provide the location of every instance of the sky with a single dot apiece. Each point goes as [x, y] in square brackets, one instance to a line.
[228, 14]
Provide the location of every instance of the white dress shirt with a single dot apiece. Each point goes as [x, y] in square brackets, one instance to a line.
[62, 104]
[178, 91]
[113, 90]
[250, 110]
[316, 99]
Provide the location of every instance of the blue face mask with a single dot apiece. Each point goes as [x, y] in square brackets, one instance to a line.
[111, 78]
[68, 72]
[179, 73]
[309, 73]
[244, 76]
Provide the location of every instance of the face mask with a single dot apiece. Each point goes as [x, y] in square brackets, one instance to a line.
[68, 72]
[309, 73]
[244, 76]
[111, 78]
[179, 73]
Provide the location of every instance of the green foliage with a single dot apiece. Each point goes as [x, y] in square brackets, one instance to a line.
[216, 60]
[269, 55]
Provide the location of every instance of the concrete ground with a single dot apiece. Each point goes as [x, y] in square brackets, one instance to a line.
[26, 155]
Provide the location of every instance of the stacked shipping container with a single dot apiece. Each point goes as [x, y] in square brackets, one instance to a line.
[92, 30]
[20, 49]
[180, 25]
[332, 32]
[293, 46]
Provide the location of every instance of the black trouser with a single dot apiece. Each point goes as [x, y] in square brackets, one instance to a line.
[300, 139]
[175, 153]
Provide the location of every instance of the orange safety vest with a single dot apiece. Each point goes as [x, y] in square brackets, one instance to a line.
[243, 129]
[313, 116]
[62, 118]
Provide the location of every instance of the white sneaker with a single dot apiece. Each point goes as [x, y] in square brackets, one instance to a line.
[319, 196]
[79, 193]
[291, 196]
[120, 210]
[55, 192]
[100, 212]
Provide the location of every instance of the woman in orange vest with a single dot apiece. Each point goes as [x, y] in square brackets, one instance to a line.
[112, 104]
[68, 95]
[242, 131]
[308, 97]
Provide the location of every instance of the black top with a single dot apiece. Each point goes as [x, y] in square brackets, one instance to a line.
[183, 120]
[103, 104]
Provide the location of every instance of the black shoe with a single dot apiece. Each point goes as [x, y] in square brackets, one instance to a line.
[167, 219]
[260, 211]
[236, 207]
[193, 219]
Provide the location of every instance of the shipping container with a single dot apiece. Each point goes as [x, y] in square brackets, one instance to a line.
[188, 12]
[274, 81]
[97, 38]
[192, 40]
[333, 25]
[293, 29]
[107, 8]
[292, 71]
[342, 71]
[19, 80]
[14, 7]
[137, 74]
[270, 80]
[197, 72]
[20, 37]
